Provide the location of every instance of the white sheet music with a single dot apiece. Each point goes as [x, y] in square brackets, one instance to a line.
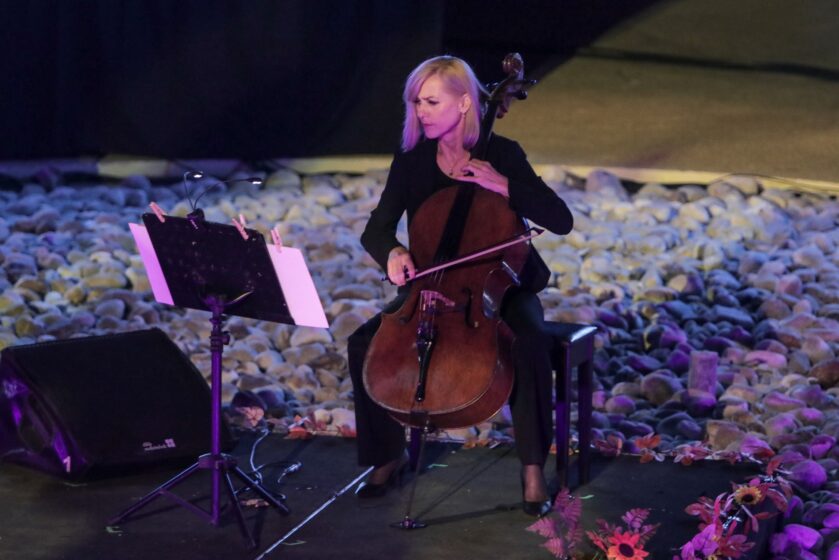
[298, 288]
[159, 287]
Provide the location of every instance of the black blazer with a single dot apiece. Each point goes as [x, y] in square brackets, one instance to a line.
[414, 176]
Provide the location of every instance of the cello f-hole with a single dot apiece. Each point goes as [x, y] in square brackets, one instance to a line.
[468, 309]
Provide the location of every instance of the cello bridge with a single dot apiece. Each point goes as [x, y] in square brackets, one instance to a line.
[434, 303]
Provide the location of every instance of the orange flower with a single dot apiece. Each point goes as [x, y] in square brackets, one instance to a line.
[625, 547]
[650, 441]
[748, 495]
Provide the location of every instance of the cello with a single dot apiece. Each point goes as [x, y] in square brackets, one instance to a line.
[444, 358]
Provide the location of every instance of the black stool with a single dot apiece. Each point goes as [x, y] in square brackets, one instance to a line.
[573, 347]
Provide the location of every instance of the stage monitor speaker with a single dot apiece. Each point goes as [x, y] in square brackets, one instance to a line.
[86, 406]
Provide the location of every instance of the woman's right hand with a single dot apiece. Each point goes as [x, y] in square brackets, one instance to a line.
[400, 266]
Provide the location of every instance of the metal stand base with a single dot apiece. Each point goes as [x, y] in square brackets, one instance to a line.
[408, 524]
[220, 464]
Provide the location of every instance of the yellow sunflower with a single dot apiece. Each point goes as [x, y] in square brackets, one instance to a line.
[748, 495]
[625, 547]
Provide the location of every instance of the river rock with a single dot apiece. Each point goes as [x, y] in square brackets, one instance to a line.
[299, 355]
[783, 423]
[821, 445]
[813, 395]
[598, 400]
[631, 428]
[17, 265]
[670, 425]
[742, 392]
[627, 388]
[774, 308]
[698, 403]
[643, 363]
[111, 308]
[775, 360]
[346, 323]
[601, 183]
[734, 407]
[310, 335]
[356, 291]
[808, 256]
[678, 362]
[723, 434]
[620, 404]
[816, 349]
[658, 387]
[283, 179]
[809, 474]
[732, 315]
[826, 373]
[11, 303]
[810, 416]
[702, 373]
[687, 284]
[778, 402]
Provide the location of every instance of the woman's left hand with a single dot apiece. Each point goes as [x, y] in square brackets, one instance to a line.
[484, 175]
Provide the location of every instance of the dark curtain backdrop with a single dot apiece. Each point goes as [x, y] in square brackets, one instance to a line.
[252, 79]
[206, 78]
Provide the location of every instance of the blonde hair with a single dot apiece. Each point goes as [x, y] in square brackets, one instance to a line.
[459, 79]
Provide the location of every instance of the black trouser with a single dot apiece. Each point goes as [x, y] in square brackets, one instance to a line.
[382, 439]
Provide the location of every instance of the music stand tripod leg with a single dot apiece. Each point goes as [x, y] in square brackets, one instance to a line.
[237, 511]
[252, 484]
[162, 490]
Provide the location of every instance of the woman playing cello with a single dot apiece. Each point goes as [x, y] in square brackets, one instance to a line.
[442, 124]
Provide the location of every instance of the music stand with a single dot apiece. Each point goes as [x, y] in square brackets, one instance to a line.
[212, 267]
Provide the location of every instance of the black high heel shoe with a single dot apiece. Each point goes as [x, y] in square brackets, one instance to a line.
[535, 509]
[366, 490]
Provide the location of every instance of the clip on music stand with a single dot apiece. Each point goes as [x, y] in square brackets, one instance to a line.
[208, 266]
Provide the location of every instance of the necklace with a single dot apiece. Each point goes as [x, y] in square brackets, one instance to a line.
[454, 164]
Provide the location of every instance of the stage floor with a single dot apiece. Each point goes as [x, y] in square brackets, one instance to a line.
[469, 498]
[744, 87]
